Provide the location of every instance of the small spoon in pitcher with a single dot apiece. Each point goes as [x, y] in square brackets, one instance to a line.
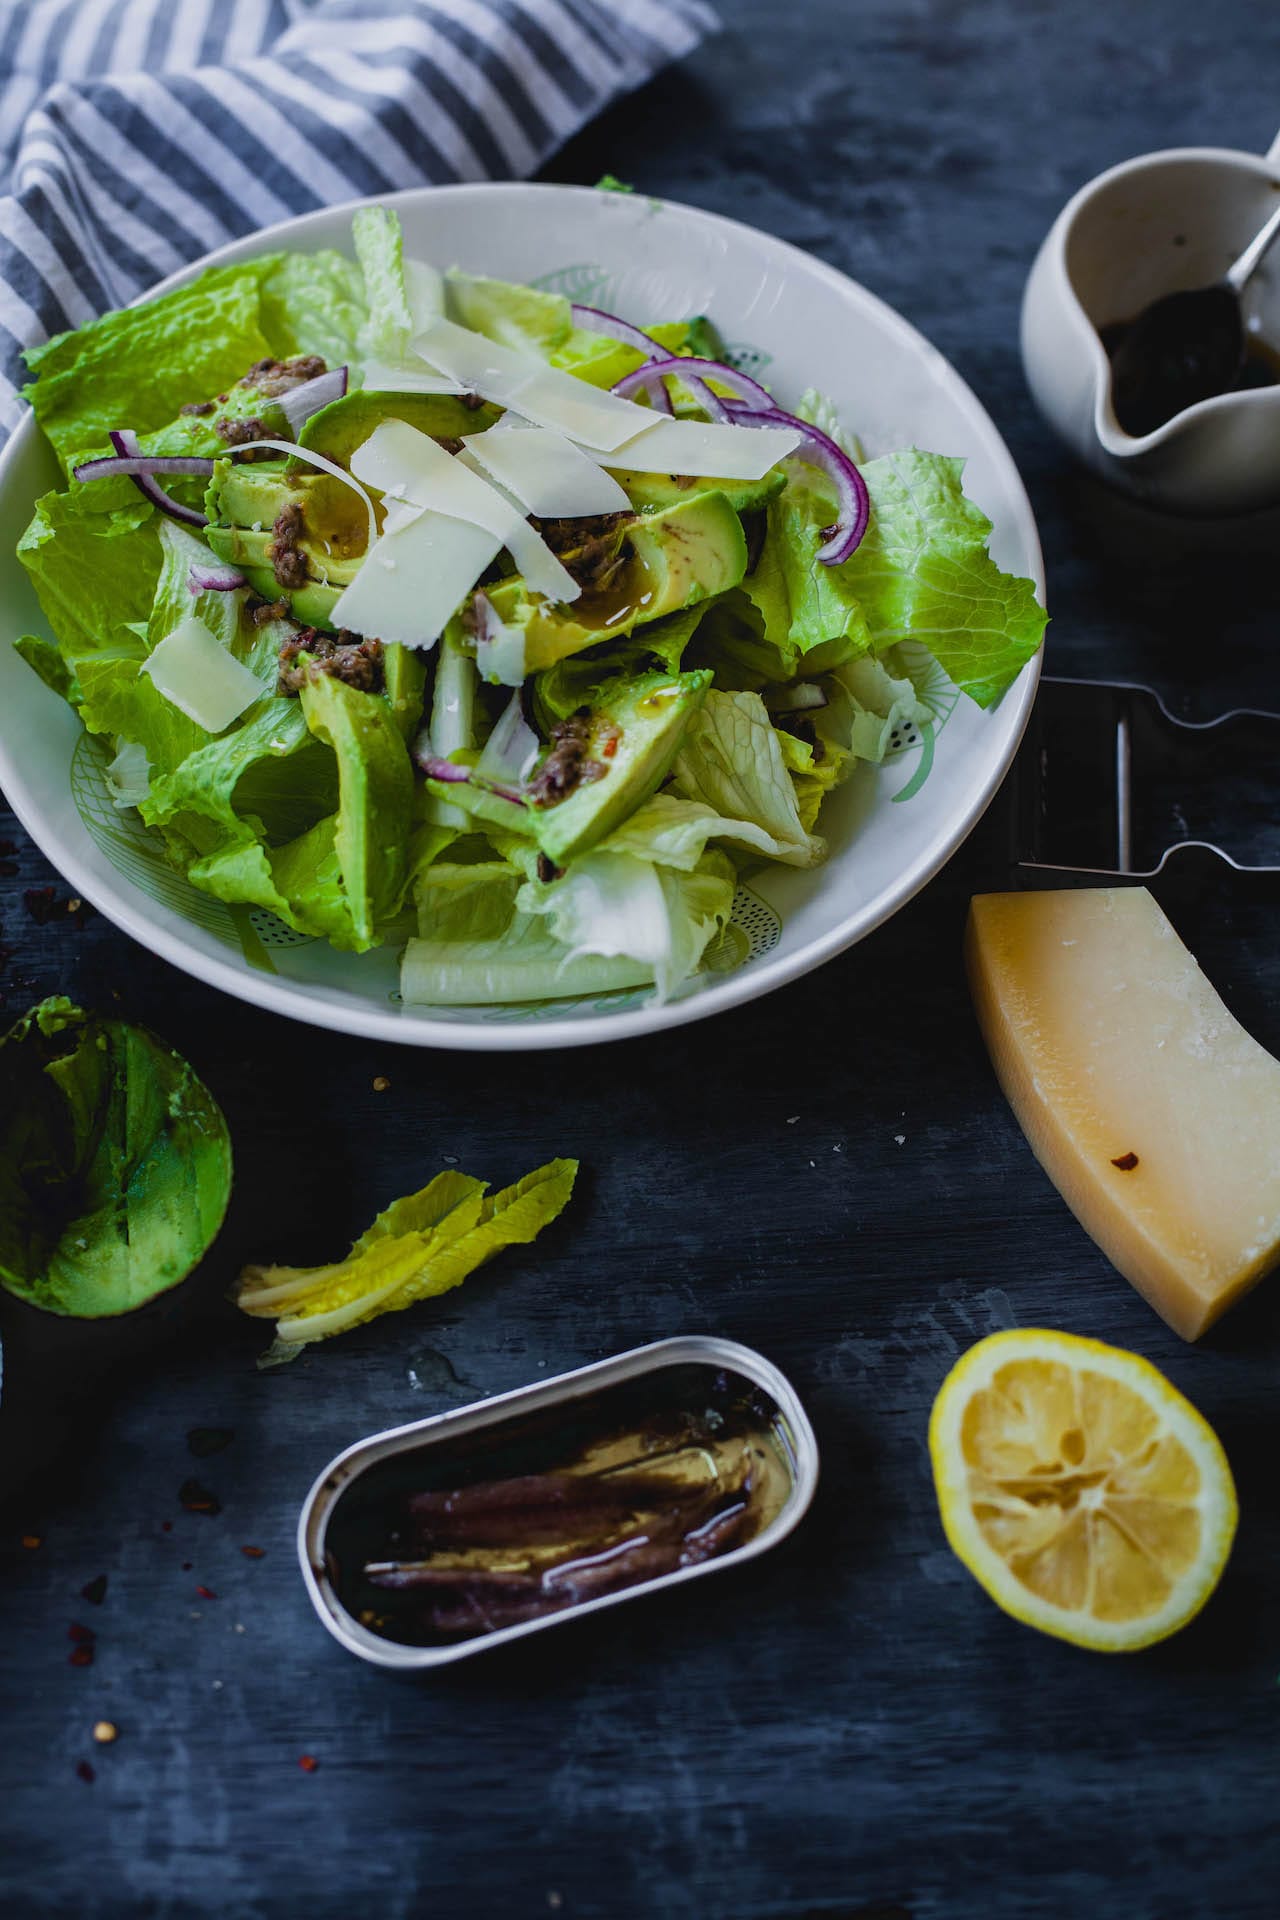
[1185, 347]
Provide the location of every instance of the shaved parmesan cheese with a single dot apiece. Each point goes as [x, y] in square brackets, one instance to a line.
[707, 448]
[385, 376]
[197, 674]
[404, 464]
[500, 651]
[481, 364]
[415, 577]
[541, 393]
[547, 473]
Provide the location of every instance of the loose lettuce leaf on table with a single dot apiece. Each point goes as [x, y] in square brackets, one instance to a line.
[417, 1248]
[115, 1163]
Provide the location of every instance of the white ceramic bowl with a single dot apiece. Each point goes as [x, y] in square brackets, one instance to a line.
[784, 316]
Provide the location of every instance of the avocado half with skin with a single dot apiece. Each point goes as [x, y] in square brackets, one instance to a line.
[115, 1164]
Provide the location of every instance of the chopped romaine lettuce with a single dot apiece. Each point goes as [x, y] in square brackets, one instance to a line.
[379, 247]
[527, 318]
[731, 761]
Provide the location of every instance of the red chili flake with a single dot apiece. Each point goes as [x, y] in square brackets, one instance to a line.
[206, 1593]
[166, 1526]
[253, 1553]
[610, 746]
[85, 1772]
[76, 1632]
[95, 1590]
[31, 1541]
[41, 904]
[198, 1499]
[187, 1565]
[1126, 1162]
[81, 1656]
[308, 1762]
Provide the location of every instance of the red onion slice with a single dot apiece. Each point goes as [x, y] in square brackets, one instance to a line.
[299, 403]
[213, 577]
[130, 462]
[842, 537]
[740, 384]
[596, 320]
[453, 775]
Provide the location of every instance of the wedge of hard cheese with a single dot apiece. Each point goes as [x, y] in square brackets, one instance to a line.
[1148, 1105]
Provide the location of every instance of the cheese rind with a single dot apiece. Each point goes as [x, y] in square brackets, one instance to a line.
[1152, 1110]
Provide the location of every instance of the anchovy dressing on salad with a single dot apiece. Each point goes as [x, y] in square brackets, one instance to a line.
[429, 610]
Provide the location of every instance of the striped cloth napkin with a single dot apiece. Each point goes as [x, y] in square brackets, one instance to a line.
[136, 135]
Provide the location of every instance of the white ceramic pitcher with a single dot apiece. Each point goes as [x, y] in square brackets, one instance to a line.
[1155, 225]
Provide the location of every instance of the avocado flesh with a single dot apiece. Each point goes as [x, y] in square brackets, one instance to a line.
[311, 605]
[338, 429]
[684, 554]
[647, 720]
[650, 492]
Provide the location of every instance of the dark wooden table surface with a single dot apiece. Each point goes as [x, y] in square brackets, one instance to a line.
[847, 1727]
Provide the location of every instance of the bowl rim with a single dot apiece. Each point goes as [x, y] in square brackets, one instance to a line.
[728, 990]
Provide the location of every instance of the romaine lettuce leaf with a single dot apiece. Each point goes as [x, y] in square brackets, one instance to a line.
[93, 571]
[137, 367]
[801, 605]
[527, 318]
[615, 905]
[476, 948]
[673, 832]
[730, 759]
[923, 573]
[376, 789]
[313, 303]
[417, 1248]
[379, 246]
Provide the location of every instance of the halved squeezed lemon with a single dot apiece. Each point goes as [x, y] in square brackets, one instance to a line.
[1080, 1488]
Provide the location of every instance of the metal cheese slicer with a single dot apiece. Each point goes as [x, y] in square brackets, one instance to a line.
[1110, 786]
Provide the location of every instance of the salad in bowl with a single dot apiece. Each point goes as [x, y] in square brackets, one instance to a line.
[431, 611]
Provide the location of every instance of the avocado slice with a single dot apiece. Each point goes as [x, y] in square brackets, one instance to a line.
[634, 734]
[622, 748]
[243, 503]
[652, 492]
[338, 429]
[670, 560]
